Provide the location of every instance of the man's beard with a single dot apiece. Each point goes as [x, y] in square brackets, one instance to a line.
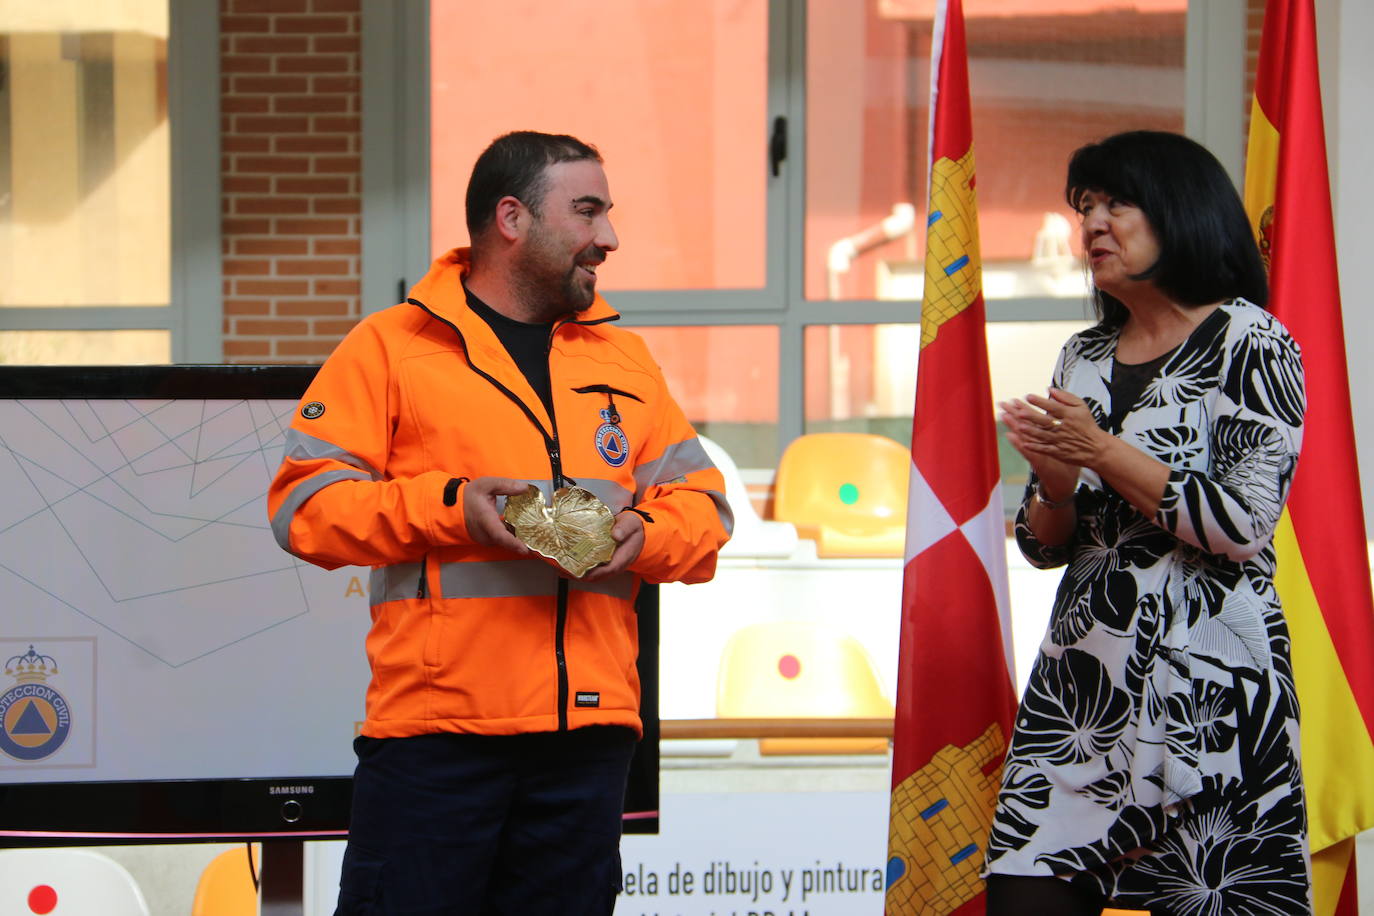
[549, 291]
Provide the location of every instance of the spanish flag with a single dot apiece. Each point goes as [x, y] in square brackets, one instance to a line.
[1323, 574]
[955, 699]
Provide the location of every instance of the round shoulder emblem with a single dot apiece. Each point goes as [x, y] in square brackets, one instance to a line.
[612, 445]
[313, 411]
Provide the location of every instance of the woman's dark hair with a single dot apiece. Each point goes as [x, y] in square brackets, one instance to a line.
[1207, 250]
[514, 165]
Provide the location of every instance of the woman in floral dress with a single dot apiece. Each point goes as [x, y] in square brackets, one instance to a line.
[1154, 762]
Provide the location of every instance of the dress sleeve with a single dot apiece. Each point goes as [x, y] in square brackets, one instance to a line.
[1038, 554]
[1254, 436]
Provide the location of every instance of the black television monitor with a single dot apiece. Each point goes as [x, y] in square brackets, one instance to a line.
[170, 674]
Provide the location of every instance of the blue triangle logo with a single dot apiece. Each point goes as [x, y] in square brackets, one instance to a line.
[31, 722]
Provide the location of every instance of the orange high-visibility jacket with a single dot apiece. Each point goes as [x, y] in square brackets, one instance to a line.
[423, 396]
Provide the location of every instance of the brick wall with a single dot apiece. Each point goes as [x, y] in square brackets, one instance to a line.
[291, 147]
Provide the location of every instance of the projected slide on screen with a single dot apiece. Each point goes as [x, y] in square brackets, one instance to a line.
[152, 628]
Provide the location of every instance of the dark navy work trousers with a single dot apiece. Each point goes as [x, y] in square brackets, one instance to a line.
[478, 825]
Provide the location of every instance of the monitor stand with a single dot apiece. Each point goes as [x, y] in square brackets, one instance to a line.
[283, 877]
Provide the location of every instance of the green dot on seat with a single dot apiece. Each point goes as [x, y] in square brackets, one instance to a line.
[849, 494]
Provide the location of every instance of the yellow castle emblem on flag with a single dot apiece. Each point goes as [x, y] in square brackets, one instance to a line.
[954, 264]
[941, 817]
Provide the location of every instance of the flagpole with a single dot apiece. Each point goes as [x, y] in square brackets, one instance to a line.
[955, 698]
[1323, 565]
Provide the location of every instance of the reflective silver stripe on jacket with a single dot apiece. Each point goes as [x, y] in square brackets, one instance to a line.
[676, 462]
[394, 583]
[520, 579]
[303, 447]
[281, 522]
[300, 446]
[727, 515]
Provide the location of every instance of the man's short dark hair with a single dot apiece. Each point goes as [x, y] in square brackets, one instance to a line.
[514, 164]
[1207, 250]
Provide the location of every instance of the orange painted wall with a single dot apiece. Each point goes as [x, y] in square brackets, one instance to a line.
[673, 95]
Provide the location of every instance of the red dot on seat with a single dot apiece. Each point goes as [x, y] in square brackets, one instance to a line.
[789, 667]
[42, 899]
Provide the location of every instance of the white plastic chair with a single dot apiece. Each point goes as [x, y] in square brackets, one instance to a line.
[67, 882]
[753, 537]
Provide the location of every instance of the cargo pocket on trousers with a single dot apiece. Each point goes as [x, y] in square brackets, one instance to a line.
[615, 886]
[360, 883]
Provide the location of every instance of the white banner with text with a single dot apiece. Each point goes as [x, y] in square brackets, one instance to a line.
[759, 854]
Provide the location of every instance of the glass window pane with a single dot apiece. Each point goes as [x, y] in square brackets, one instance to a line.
[84, 154]
[85, 348]
[1044, 79]
[1021, 357]
[725, 378]
[862, 378]
[672, 94]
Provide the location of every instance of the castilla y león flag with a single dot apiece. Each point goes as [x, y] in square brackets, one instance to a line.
[1323, 567]
[955, 699]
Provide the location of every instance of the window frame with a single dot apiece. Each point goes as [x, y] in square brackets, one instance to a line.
[396, 176]
[193, 317]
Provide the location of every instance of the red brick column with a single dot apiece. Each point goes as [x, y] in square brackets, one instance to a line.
[291, 177]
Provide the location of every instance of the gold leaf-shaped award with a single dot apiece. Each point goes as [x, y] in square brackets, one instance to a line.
[575, 532]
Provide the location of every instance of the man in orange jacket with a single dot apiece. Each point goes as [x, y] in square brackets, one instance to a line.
[504, 701]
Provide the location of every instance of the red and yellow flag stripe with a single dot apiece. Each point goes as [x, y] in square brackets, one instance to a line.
[1323, 576]
[955, 698]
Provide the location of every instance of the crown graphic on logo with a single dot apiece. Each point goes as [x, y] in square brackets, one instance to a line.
[31, 667]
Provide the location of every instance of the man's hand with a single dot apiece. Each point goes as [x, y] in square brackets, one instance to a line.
[628, 532]
[484, 522]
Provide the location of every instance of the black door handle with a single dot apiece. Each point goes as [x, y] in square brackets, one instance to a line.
[777, 146]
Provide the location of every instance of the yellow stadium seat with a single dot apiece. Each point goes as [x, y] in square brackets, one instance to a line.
[226, 885]
[847, 491]
[798, 669]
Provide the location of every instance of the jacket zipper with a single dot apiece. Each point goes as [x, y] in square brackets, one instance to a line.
[556, 466]
[560, 628]
[560, 658]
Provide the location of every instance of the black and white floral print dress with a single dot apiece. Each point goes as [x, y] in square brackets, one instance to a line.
[1155, 753]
